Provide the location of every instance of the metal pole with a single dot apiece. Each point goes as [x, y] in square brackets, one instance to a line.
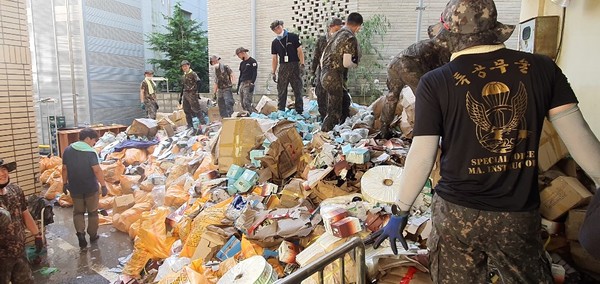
[60, 90]
[253, 27]
[72, 63]
[420, 8]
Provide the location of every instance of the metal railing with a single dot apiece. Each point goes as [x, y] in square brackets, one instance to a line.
[337, 254]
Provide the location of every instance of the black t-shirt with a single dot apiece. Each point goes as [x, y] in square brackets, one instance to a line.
[81, 177]
[291, 42]
[248, 70]
[489, 109]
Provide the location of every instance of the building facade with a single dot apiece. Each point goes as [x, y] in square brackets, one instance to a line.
[247, 24]
[89, 56]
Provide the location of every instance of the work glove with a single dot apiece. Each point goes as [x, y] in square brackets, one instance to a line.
[66, 189]
[104, 190]
[142, 106]
[274, 77]
[393, 230]
[39, 243]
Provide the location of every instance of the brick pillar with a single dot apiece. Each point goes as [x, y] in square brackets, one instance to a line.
[18, 135]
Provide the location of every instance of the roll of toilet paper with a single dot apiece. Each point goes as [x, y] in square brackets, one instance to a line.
[381, 184]
[254, 270]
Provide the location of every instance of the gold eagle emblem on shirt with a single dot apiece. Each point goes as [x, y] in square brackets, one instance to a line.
[500, 117]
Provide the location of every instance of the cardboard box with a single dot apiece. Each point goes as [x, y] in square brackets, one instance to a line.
[574, 222]
[346, 227]
[551, 227]
[266, 105]
[246, 181]
[551, 149]
[143, 127]
[209, 245]
[358, 156]
[213, 114]
[332, 216]
[563, 194]
[583, 259]
[122, 203]
[167, 125]
[238, 136]
[178, 117]
[284, 151]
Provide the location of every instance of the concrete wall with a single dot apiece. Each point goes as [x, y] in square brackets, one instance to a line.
[18, 141]
[579, 57]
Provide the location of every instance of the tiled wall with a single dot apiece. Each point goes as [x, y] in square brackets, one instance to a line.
[18, 138]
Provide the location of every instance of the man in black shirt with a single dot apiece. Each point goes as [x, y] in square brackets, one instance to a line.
[288, 47]
[248, 72]
[81, 174]
[488, 106]
[315, 66]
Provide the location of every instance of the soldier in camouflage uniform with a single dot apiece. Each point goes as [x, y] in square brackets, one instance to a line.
[286, 51]
[487, 105]
[342, 52]
[189, 94]
[14, 217]
[406, 69]
[223, 79]
[315, 67]
[148, 95]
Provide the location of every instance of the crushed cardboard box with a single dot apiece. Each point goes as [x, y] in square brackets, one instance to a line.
[563, 194]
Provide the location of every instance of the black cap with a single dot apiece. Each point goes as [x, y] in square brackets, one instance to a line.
[9, 166]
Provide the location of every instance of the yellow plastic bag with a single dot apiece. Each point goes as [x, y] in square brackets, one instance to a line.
[112, 171]
[129, 216]
[106, 202]
[205, 166]
[49, 163]
[153, 234]
[127, 183]
[48, 175]
[137, 262]
[250, 249]
[56, 187]
[210, 216]
[176, 195]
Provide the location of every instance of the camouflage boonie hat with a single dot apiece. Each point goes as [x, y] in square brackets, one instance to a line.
[184, 62]
[473, 22]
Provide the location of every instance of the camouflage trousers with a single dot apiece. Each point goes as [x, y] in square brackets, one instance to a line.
[321, 94]
[467, 245]
[15, 270]
[289, 73]
[338, 99]
[151, 107]
[246, 90]
[191, 108]
[225, 102]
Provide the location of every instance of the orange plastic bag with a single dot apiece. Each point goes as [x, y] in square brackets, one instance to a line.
[137, 262]
[129, 216]
[106, 202]
[115, 155]
[134, 156]
[152, 234]
[176, 196]
[175, 173]
[150, 150]
[250, 249]
[56, 187]
[48, 175]
[112, 171]
[134, 228]
[49, 163]
[65, 201]
[114, 189]
[206, 166]
[104, 220]
[127, 183]
[143, 197]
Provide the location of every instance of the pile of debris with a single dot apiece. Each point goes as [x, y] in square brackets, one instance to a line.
[255, 198]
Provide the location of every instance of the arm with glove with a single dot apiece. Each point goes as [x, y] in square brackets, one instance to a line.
[419, 163]
[100, 177]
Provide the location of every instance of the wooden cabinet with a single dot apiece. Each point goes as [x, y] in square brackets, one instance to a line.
[66, 137]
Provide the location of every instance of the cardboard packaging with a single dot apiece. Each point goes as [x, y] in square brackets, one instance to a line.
[178, 117]
[583, 259]
[332, 216]
[287, 252]
[563, 194]
[551, 149]
[574, 222]
[255, 155]
[266, 105]
[551, 227]
[238, 137]
[358, 156]
[246, 181]
[122, 203]
[209, 245]
[346, 227]
[235, 172]
[167, 125]
[213, 114]
[231, 248]
[284, 151]
[143, 127]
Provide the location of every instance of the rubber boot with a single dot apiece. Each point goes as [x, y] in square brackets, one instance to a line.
[81, 239]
